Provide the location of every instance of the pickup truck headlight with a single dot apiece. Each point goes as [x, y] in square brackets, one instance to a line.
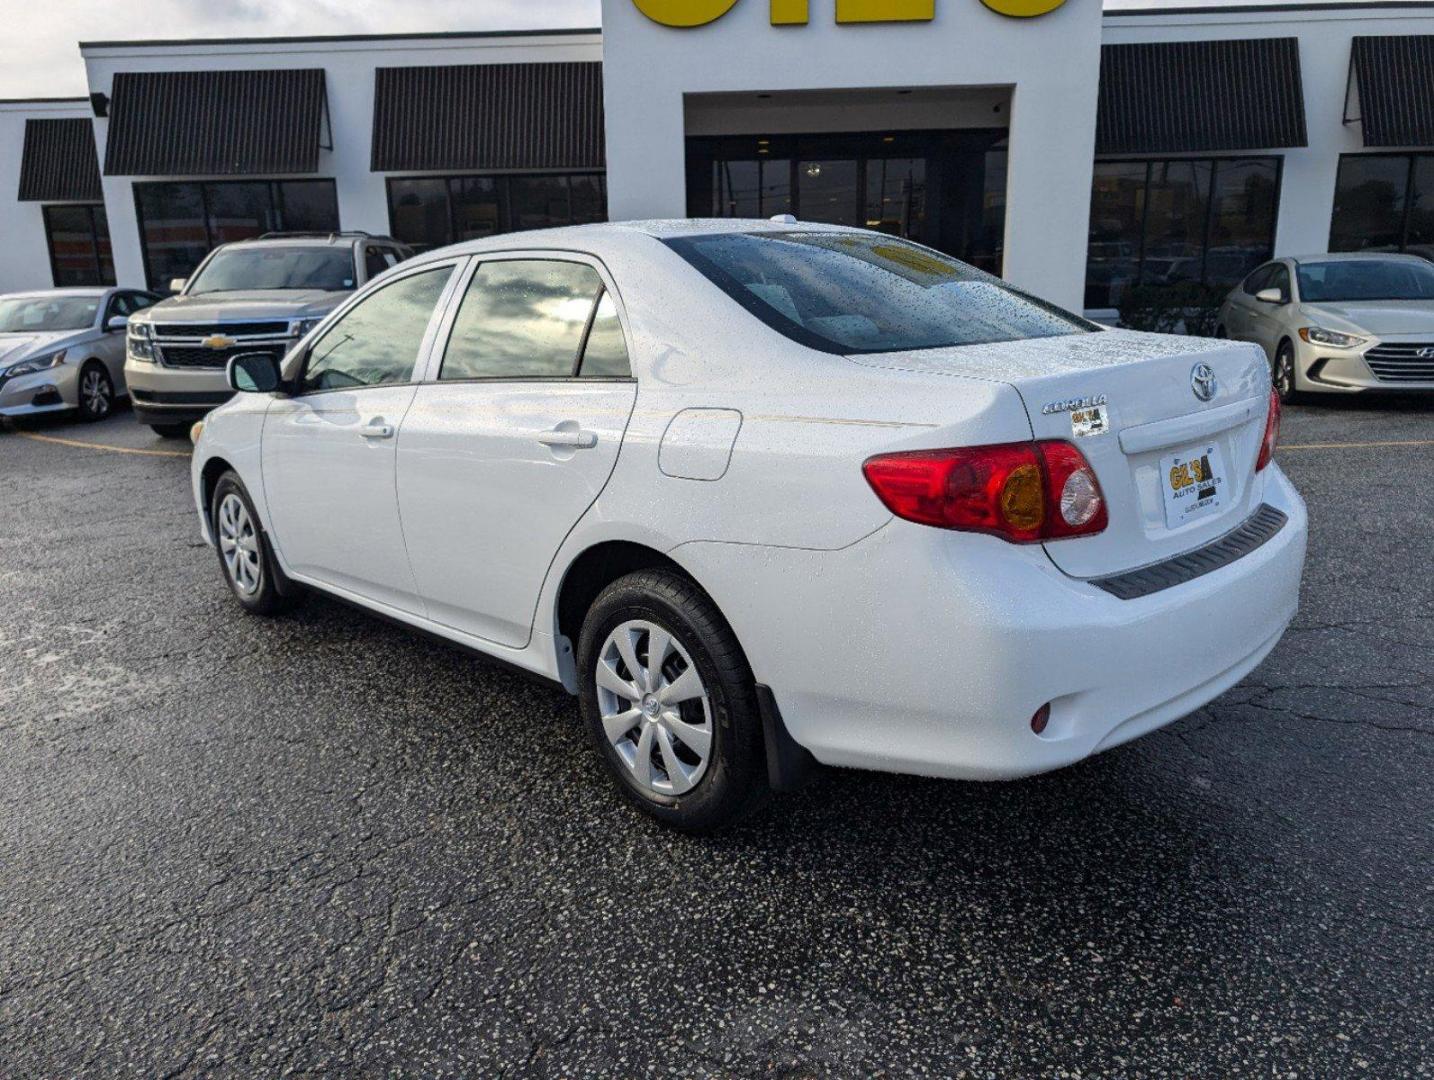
[299, 327]
[1316, 335]
[140, 342]
[37, 363]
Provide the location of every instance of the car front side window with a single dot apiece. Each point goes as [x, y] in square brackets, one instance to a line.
[522, 319]
[377, 341]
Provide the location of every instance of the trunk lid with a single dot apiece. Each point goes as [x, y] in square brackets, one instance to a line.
[1154, 422]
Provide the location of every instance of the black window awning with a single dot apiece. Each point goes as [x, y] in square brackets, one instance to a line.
[488, 116]
[1395, 78]
[216, 123]
[1198, 96]
[58, 162]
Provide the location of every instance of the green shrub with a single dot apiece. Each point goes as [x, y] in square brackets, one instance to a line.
[1184, 308]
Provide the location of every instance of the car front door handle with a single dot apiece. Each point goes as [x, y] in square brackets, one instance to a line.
[377, 429]
[577, 440]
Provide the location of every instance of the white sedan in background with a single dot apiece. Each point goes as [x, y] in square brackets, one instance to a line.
[1339, 324]
[763, 493]
[64, 349]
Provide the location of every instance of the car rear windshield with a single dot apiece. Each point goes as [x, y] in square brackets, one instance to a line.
[1365, 279]
[40, 314]
[243, 268]
[862, 293]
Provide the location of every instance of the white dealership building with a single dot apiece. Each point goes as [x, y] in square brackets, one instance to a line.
[1083, 154]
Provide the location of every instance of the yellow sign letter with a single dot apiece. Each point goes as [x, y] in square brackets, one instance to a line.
[684, 12]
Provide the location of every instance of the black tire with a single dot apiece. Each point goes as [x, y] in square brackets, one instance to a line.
[1220, 333]
[273, 594]
[171, 431]
[102, 403]
[734, 782]
[1282, 373]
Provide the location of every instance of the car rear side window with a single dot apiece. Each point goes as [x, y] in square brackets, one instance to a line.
[522, 319]
[377, 340]
[605, 351]
[862, 293]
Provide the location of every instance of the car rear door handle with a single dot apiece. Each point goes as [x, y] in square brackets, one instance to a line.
[377, 429]
[578, 440]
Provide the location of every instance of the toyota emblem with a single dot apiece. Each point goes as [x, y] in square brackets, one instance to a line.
[1202, 381]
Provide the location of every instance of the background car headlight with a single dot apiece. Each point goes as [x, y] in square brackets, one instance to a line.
[299, 327]
[38, 363]
[1318, 336]
[140, 342]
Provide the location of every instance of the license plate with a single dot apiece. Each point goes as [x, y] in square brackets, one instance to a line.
[1194, 484]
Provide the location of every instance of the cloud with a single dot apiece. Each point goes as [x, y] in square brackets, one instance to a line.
[40, 56]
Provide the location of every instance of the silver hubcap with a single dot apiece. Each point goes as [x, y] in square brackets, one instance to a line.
[654, 707]
[239, 545]
[96, 393]
[1284, 373]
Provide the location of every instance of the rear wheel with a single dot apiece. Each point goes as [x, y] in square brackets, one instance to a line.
[97, 392]
[1282, 373]
[244, 552]
[670, 702]
[171, 431]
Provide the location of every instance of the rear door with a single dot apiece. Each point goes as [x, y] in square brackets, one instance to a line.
[329, 450]
[512, 437]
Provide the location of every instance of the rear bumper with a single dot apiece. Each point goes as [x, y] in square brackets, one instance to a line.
[927, 652]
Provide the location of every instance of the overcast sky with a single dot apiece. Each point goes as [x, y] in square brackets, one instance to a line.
[39, 58]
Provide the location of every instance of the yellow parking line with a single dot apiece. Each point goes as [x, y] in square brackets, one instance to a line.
[1353, 445]
[102, 446]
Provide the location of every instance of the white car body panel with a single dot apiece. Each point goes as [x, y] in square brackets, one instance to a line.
[886, 644]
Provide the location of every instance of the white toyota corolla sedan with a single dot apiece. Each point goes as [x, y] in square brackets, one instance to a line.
[763, 493]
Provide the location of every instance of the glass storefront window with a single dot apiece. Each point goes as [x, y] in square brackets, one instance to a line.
[1203, 222]
[827, 191]
[79, 241]
[946, 189]
[476, 209]
[1384, 202]
[896, 196]
[180, 223]
[431, 211]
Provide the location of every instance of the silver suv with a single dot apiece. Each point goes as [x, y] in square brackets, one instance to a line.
[249, 296]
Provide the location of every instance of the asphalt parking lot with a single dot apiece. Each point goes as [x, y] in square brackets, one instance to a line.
[232, 846]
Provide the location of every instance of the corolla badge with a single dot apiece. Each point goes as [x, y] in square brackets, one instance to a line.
[1202, 381]
[1071, 404]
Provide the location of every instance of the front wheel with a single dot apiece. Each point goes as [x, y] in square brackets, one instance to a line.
[670, 702]
[97, 392]
[244, 553]
[1282, 373]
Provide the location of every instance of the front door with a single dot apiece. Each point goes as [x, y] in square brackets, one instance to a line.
[501, 455]
[329, 451]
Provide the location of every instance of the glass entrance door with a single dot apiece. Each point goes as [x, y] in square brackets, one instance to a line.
[942, 188]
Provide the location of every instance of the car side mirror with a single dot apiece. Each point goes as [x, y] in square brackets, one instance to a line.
[116, 322]
[1270, 296]
[254, 373]
[176, 284]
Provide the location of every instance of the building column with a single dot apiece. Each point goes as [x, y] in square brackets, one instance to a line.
[1051, 164]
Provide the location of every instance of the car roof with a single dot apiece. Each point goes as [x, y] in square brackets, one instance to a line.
[326, 240]
[606, 235]
[1355, 256]
[75, 291]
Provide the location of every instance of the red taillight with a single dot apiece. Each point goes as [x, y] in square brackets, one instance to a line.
[1272, 431]
[1023, 492]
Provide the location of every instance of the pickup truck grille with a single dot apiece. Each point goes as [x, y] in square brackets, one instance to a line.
[201, 356]
[1402, 362]
[230, 329]
[184, 345]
